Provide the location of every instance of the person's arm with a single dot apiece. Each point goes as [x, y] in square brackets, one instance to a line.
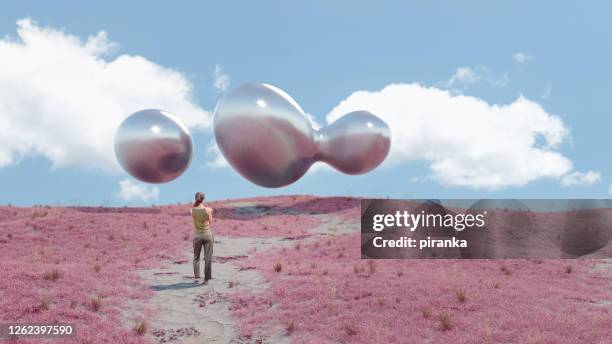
[210, 216]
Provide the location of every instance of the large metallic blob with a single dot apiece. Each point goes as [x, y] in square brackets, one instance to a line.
[265, 135]
[153, 146]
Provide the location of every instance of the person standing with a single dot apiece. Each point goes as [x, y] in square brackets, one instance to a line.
[203, 237]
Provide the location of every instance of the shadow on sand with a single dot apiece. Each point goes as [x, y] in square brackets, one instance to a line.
[175, 286]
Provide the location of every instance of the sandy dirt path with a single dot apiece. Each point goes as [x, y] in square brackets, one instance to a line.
[189, 312]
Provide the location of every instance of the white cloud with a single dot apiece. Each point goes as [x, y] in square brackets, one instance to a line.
[463, 75]
[521, 57]
[580, 178]
[467, 141]
[134, 191]
[218, 160]
[221, 80]
[312, 120]
[467, 76]
[63, 99]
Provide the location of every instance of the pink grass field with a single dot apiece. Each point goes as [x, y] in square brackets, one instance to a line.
[325, 294]
[78, 265]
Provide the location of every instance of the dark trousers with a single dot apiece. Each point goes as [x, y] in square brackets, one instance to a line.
[205, 240]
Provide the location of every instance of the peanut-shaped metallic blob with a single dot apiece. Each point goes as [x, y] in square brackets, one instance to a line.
[265, 136]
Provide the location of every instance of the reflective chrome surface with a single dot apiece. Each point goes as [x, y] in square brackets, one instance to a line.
[153, 146]
[264, 134]
[355, 143]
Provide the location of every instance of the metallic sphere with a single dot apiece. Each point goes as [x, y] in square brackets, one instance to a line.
[265, 135]
[153, 146]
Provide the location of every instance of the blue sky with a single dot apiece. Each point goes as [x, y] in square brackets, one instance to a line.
[554, 55]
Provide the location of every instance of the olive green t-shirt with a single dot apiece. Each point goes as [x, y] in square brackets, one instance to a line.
[200, 219]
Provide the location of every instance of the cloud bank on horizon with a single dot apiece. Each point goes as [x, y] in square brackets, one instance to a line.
[130, 191]
[63, 99]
